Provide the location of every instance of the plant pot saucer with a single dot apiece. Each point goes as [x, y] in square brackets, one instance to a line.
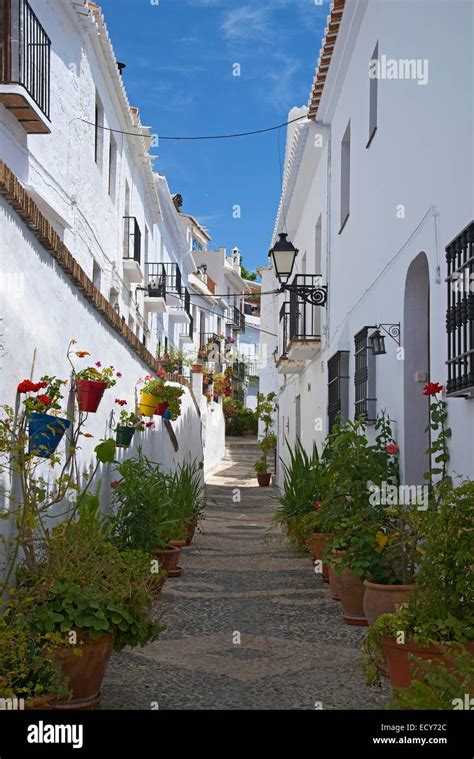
[175, 572]
[360, 621]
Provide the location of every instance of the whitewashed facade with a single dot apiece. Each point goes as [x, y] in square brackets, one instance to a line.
[377, 183]
[72, 167]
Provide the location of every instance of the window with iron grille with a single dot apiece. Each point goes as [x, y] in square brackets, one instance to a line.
[364, 377]
[460, 313]
[338, 388]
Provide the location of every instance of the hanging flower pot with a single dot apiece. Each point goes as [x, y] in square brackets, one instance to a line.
[148, 403]
[89, 394]
[161, 408]
[167, 414]
[124, 436]
[45, 433]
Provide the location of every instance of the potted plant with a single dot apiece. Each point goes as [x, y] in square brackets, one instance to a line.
[92, 382]
[186, 490]
[29, 671]
[143, 516]
[172, 360]
[265, 412]
[438, 617]
[350, 521]
[150, 395]
[170, 402]
[129, 423]
[197, 366]
[46, 427]
[95, 595]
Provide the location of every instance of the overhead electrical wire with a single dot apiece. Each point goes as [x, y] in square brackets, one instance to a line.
[200, 137]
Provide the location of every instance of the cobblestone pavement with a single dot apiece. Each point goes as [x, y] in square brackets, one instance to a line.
[241, 577]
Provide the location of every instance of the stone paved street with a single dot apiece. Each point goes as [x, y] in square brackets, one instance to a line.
[241, 577]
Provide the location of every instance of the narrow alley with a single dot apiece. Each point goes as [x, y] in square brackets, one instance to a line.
[240, 578]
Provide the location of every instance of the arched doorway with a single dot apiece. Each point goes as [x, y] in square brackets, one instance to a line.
[416, 343]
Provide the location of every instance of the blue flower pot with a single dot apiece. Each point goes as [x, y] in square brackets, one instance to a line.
[167, 414]
[46, 432]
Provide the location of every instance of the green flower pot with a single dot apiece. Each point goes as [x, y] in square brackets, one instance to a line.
[124, 436]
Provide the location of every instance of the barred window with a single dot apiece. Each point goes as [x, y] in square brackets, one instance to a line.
[364, 377]
[460, 313]
[338, 388]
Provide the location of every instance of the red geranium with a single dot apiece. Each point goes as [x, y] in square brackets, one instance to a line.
[27, 386]
[114, 485]
[392, 449]
[317, 505]
[120, 403]
[432, 388]
[44, 400]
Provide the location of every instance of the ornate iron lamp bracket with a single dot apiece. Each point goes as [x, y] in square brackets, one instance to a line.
[316, 296]
[392, 330]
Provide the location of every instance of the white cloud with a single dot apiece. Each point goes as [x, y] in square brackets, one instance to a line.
[246, 23]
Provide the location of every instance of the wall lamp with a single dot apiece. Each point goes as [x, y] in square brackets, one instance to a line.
[377, 339]
[283, 256]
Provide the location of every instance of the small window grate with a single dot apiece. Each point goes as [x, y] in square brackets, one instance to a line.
[364, 377]
[338, 388]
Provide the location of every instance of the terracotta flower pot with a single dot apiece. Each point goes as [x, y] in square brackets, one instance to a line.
[352, 598]
[190, 533]
[148, 403]
[196, 368]
[159, 587]
[334, 583]
[402, 670]
[381, 599]
[85, 672]
[318, 545]
[161, 408]
[168, 559]
[89, 395]
[264, 479]
[177, 543]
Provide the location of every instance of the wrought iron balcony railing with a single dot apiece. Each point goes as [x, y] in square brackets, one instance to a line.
[304, 317]
[164, 279]
[25, 54]
[236, 319]
[132, 239]
[460, 313]
[284, 332]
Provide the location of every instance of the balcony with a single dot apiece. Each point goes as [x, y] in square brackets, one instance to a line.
[284, 364]
[25, 53]
[181, 314]
[132, 250]
[239, 370]
[236, 319]
[304, 323]
[211, 347]
[163, 287]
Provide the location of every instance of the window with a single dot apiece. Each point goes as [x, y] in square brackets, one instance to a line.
[345, 176]
[338, 388]
[196, 244]
[364, 377]
[99, 132]
[373, 93]
[460, 313]
[112, 167]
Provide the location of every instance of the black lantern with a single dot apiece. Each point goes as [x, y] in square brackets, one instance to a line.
[377, 342]
[283, 255]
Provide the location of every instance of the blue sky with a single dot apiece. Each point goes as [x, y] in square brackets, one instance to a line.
[180, 56]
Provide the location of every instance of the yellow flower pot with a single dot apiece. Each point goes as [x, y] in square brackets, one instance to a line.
[148, 404]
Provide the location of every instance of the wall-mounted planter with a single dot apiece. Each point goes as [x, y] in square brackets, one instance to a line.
[148, 404]
[124, 436]
[45, 433]
[161, 408]
[89, 395]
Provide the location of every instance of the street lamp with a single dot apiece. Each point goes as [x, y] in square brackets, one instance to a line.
[283, 256]
[377, 340]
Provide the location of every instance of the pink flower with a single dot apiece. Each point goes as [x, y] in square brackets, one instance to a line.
[317, 505]
[98, 364]
[392, 449]
[150, 425]
[115, 484]
[119, 374]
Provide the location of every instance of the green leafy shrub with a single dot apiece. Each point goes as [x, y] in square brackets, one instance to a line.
[85, 583]
[143, 515]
